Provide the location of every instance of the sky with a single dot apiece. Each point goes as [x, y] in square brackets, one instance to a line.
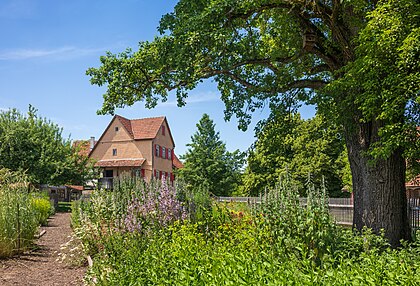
[46, 46]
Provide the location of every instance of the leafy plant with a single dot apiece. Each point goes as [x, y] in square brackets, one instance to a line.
[303, 228]
[42, 207]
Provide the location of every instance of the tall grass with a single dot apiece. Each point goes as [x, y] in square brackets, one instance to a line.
[18, 220]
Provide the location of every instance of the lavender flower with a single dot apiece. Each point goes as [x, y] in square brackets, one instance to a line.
[154, 209]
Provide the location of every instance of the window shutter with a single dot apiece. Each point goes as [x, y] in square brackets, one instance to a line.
[142, 173]
[160, 151]
[155, 173]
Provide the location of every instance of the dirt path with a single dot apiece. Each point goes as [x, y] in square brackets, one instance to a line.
[39, 267]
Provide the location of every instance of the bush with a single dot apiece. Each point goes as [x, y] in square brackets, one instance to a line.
[42, 207]
[306, 228]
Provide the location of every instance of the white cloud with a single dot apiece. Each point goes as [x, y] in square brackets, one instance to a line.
[58, 53]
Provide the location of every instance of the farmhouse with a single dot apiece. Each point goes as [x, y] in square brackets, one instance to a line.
[139, 147]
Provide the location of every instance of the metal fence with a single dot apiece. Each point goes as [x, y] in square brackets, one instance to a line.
[414, 213]
[341, 209]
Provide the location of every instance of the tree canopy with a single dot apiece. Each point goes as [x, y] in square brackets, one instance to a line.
[299, 148]
[208, 164]
[357, 60]
[35, 145]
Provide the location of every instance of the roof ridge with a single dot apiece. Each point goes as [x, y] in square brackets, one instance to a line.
[154, 117]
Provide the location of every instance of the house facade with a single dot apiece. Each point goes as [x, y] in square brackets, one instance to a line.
[138, 147]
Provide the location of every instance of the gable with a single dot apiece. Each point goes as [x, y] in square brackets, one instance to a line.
[123, 129]
[110, 133]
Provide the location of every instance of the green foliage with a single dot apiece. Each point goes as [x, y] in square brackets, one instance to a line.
[208, 164]
[42, 206]
[288, 144]
[382, 81]
[134, 206]
[197, 201]
[18, 218]
[307, 229]
[35, 145]
[286, 244]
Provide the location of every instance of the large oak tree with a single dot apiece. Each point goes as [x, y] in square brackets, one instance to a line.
[356, 59]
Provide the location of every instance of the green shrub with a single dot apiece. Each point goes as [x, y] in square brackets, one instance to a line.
[239, 254]
[42, 207]
[305, 229]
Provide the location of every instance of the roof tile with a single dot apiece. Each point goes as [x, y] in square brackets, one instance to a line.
[145, 128]
[120, 163]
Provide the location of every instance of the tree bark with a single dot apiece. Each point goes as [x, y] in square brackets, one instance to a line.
[379, 187]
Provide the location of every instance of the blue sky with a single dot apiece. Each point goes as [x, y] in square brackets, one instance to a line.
[47, 45]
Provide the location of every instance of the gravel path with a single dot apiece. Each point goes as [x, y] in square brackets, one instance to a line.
[39, 267]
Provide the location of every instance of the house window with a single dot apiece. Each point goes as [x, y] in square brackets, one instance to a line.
[163, 130]
[157, 150]
[114, 152]
[108, 173]
[163, 153]
[169, 154]
[116, 128]
[136, 172]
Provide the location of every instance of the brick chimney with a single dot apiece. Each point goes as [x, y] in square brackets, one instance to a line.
[92, 142]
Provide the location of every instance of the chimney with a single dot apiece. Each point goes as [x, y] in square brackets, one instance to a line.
[92, 142]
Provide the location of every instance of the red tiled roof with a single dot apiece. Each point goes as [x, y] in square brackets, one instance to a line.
[414, 182]
[145, 128]
[83, 147]
[177, 163]
[120, 163]
[78, 188]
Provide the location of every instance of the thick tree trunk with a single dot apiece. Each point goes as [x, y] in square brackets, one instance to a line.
[379, 188]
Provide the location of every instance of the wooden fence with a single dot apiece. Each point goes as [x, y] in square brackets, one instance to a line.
[341, 209]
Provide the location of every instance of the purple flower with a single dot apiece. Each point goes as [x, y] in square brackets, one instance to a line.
[154, 209]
